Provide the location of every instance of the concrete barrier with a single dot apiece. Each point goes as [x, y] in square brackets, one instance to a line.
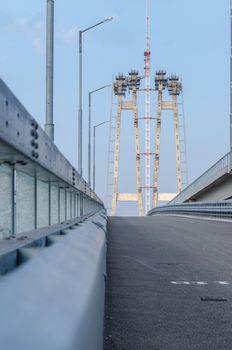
[55, 299]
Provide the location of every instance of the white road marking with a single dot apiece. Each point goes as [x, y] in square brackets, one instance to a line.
[200, 283]
[147, 266]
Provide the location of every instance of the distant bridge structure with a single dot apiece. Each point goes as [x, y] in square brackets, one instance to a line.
[73, 278]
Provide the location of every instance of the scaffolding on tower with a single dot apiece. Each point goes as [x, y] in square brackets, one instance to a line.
[147, 73]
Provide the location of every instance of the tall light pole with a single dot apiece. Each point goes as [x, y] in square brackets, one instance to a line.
[94, 150]
[230, 84]
[89, 142]
[80, 93]
[49, 126]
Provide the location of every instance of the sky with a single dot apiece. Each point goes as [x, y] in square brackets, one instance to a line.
[189, 38]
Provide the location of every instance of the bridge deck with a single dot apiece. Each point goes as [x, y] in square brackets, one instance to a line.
[169, 284]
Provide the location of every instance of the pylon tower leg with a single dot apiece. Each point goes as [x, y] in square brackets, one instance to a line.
[137, 151]
[177, 143]
[157, 149]
[116, 156]
[174, 89]
[121, 85]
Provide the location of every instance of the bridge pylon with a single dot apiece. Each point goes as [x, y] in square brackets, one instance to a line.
[121, 85]
[174, 86]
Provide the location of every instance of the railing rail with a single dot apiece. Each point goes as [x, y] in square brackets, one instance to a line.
[220, 210]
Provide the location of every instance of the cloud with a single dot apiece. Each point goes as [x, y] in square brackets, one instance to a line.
[69, 37]
[38, 44]
[32, 28]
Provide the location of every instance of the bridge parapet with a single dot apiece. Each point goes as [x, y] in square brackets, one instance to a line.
[207, 180]
[39, 187]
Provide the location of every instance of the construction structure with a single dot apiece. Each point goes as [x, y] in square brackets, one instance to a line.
[121, 86]
[147, 74]
[174, 87]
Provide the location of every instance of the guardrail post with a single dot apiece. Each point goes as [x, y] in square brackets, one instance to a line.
[81, 205]
[35, 202]
[50, 204]
[6, 201]
[78, 205]
[14, 199]
[68, 204]
[75, 208]
[71, 206]
[58, 204]
[65, 204]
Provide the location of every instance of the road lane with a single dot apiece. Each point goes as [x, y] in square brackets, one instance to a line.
[169, 284]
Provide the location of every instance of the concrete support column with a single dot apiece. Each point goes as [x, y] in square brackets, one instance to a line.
[26, 202]
[58, 204]
[65, 204]
[62, 205]
[6, 201]
[68, 204]
[49, 204]
[54, 205]
[43, 209]
[14, 198]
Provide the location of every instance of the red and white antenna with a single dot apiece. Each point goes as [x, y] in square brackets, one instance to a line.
[147, 73]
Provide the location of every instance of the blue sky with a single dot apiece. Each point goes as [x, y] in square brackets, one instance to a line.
[190, 38]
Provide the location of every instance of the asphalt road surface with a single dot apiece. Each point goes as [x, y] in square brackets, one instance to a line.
[169, 284]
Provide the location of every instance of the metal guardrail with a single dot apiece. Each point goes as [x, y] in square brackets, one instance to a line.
[219, 169]
[55, 299]
[220, 210]
[39, 187]
[13, 247]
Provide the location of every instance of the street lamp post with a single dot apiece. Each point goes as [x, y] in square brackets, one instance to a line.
[80, 92]
[49, 126]
[94, 150]
[89, 141]
[230, 85]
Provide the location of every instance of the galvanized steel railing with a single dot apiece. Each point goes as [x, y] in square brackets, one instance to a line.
[220, 210]
[39, 187]
[212, 174]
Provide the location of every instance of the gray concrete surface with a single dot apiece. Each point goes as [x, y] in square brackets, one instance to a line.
[169, 284]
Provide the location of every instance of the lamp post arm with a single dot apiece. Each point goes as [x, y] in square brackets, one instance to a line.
[97, 24]
[107, 121]
[101, 88]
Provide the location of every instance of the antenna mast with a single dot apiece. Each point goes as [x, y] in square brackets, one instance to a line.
[147, 73]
